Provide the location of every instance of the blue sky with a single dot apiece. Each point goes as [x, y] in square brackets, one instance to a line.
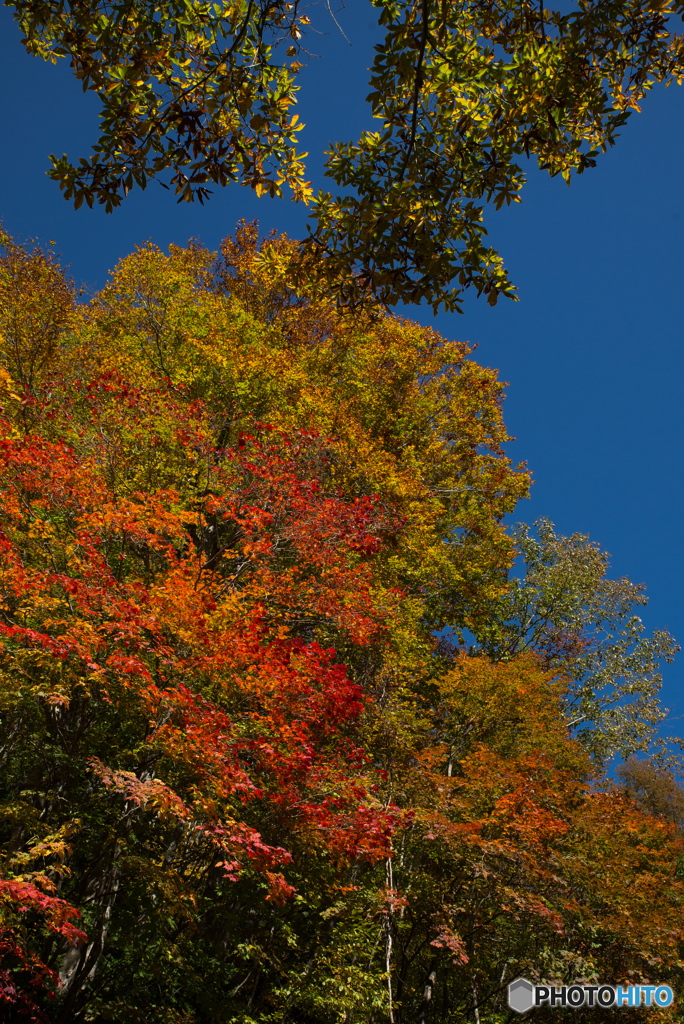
[592, 351]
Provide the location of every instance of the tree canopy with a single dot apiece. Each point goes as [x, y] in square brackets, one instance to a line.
[246, 775]
[200, 94]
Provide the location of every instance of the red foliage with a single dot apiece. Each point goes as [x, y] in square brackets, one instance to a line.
[195, 608]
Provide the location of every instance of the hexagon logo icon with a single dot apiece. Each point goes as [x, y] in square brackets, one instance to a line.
[521, 995]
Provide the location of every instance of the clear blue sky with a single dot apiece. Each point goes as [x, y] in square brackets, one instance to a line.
[593, 351]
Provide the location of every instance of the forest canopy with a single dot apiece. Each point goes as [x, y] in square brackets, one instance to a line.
[283, 737]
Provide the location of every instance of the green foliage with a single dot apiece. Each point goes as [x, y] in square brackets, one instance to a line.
[462, 93]
[202, 93]
[189, 88]
[583, 625]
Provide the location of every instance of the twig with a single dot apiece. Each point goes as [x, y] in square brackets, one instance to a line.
[417, 87]
[327, 3]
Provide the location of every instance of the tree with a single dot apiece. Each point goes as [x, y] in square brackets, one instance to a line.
[204, 94]
[655, 791]
[197, 605]
[516, 862]
[161, 677]
[512, 858]
[241, 769]
[233, 335]
[583, 625]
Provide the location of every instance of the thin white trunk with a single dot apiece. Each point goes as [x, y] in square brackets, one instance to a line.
[476, 1011]
[388, 947]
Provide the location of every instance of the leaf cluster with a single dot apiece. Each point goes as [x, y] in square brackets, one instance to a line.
[196, 94]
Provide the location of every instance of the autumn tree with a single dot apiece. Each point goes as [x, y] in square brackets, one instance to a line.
[234, 335]
[243, 769]
[205, 94]
[579, 622]
[655, 790]
[198, 606]
[37, 304]
[515, 862]
[162, 677]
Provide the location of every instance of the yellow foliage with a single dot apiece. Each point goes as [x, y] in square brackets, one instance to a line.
[409, 415]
